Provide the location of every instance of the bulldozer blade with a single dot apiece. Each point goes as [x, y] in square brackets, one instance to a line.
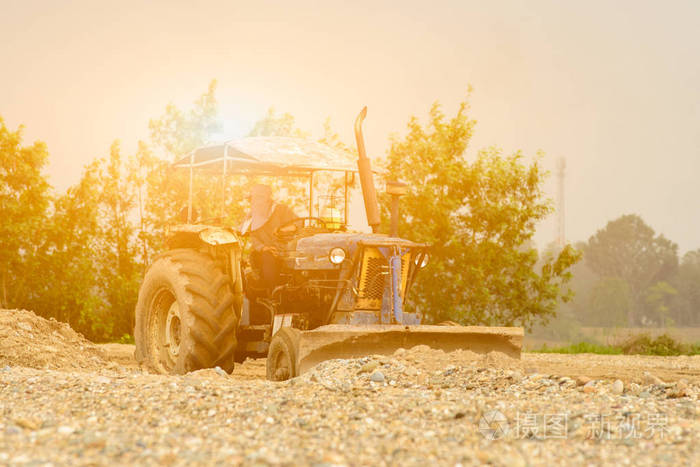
[344, 341]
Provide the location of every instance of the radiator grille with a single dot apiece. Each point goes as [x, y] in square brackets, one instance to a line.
[374, 278]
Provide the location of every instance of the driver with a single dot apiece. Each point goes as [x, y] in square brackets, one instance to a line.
[265, 218]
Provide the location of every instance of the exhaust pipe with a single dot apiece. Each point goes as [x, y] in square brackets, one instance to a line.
[369, 193]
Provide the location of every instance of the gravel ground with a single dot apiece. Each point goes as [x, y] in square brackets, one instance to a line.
[416, 407]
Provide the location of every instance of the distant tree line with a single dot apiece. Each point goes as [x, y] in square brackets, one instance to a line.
[632, 277]
[79, 256]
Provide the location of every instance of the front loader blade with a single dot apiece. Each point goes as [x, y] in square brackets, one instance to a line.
[344, 341]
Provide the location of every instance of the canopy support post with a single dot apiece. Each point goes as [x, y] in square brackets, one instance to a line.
[346, 199]
[189, 198]
[311, 194]
[223, 185]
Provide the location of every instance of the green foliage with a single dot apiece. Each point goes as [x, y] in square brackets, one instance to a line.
[582, 347]
[24, 199]
[657, 301]
[79, 257]
[663, 345]
[177, 133]
[126, 339]
[643, 344]
[685, 304]
[610, 302]
[277, 125]
[479, 217]
[628, 248]
[164, 191]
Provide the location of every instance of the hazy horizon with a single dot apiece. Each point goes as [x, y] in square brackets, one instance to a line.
[614, 88]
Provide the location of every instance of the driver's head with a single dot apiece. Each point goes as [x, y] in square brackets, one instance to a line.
[260, 205]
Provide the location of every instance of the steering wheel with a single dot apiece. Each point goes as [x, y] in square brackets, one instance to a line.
[304, 221]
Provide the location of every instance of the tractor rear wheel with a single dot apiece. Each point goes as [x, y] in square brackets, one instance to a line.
[187, 314]
[281, 362]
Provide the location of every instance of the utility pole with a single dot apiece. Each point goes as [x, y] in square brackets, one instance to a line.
[561, 219]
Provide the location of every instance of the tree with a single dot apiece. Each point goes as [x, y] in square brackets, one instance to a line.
[65, 288]
[116, 254]
[277, 125]
[657, 300]
[629, 249]
[685, 309]
[163, 191]
[479, 217]
[609, 302]
[24, 199]
[177, 132]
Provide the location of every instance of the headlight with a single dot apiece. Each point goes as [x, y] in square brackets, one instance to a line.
[423, 263]
[337, 255]
[218, 237]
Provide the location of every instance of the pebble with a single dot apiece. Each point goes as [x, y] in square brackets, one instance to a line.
[65, 430]
[582, 380]
[679, 390]
[369, 366]
[428, 414]
[618, 387]
[377, 377]
[649, 378]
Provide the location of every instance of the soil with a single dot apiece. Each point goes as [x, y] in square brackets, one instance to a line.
[28, 340]
[31, 341]
[66, 401]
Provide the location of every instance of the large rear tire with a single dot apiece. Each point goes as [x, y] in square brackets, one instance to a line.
[187, 314]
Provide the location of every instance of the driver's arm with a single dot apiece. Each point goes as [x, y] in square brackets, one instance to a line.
[285, 215]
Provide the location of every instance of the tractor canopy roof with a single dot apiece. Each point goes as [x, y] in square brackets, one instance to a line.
[269, 155]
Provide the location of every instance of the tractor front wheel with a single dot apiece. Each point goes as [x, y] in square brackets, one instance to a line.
[282, 355]
[187, 314]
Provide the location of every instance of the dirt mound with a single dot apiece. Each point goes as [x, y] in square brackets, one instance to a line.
[31, 341]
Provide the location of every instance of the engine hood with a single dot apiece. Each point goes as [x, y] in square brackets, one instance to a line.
[312, 252]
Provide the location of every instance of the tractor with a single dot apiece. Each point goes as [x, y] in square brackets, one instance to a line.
[341, 294]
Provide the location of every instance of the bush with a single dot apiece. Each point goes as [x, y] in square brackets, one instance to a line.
[583, 347]
[126, 339]
[643, 344]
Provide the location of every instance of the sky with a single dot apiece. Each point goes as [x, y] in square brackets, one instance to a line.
[613, 87]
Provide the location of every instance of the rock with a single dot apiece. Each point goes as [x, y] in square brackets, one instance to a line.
[102, 380]
[582, 380]
[645, 394]
[208, 373]
[400, 352]
[28, 423]
[377, 377]
[618, 387]
[589, 387]
[679, 390]
[369, 367]
[649, 378]
[65, 430]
